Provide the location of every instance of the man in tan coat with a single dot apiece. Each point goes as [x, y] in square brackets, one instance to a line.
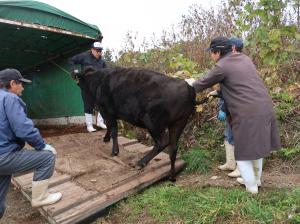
[253, 123]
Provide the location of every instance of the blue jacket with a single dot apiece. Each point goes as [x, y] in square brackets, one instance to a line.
[16, 128]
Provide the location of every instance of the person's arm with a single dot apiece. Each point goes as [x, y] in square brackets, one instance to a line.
[21, 125]
[75, 60]
[78, 59]
[214, 76]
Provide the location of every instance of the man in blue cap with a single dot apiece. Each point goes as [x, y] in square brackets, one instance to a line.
[16, 129]
[237, 44]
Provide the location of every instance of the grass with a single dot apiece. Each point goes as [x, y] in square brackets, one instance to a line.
[197, 160]
[208, 151]
[167, 203]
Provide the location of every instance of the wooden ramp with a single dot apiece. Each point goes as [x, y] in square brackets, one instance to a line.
[90, 179]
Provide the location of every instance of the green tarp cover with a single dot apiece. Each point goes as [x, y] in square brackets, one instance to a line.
[24, 47]
[40, 13]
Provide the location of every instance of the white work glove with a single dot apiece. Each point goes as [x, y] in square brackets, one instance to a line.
[190, 81]
[50, 148]
[212, 93]
[74, 74]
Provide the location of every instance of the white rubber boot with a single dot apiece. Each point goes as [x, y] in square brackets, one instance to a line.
[248, 177]
[257, 166]
[89, 122]
[230, 161]
[100, 121]
[235, 173]
[40, 195]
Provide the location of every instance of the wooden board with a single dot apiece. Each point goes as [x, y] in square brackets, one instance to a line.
[90, 179]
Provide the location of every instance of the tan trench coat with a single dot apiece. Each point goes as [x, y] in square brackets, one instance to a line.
[254, 123]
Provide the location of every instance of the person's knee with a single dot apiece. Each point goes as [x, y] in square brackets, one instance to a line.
[49, 159]
[46, 170]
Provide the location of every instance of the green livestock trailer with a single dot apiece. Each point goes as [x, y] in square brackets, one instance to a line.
[38, 40]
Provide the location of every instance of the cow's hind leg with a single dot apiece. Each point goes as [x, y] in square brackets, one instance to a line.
[175, 131]
[161, 142]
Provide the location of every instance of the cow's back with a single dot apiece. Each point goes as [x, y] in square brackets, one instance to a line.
[136, 93]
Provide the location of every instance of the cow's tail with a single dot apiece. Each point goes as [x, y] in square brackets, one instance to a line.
[192, 95]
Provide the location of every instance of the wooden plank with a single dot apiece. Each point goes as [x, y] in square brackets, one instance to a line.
[54, 181]
[125, 141]
[137, 147]
[25, 181]
[129, 177]
[79, 202]
[73, 195]
[99, 203]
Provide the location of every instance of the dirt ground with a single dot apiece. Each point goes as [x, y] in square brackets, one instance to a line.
[276, 174]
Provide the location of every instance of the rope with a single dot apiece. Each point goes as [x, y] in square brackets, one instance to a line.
[61, 68]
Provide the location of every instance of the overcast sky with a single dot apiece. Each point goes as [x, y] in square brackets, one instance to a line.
[116, 17]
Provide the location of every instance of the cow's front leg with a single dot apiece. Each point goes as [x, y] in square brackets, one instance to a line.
[107, 135]
[161, 142]
[108, 132]
[114, 135]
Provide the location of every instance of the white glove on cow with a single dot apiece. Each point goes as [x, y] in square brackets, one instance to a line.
[50, 148]
[190, 81]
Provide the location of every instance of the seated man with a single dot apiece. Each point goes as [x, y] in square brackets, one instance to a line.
[16, 129]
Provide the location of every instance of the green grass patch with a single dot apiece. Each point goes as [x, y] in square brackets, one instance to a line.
[167, 203]
[197, 160]
[289, 153]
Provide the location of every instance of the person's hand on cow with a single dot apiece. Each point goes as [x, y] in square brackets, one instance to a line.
[74, 74]
[190, 81]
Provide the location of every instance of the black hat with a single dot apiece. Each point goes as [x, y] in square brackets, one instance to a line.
[218, 43]
[12, 74]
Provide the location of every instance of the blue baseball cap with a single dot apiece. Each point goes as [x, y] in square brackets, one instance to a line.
[237, 42]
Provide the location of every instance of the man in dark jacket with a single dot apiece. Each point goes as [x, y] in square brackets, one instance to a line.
[16, 129]
[89, 59]
[254, 122]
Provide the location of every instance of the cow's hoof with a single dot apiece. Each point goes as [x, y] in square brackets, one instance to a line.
[115, 153]
[140, 165]
[106, 139]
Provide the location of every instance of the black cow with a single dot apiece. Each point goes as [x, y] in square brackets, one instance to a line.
[144, 98]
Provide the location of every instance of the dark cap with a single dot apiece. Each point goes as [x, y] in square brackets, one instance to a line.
[218, 43]
[12, 74]
[236, 42]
